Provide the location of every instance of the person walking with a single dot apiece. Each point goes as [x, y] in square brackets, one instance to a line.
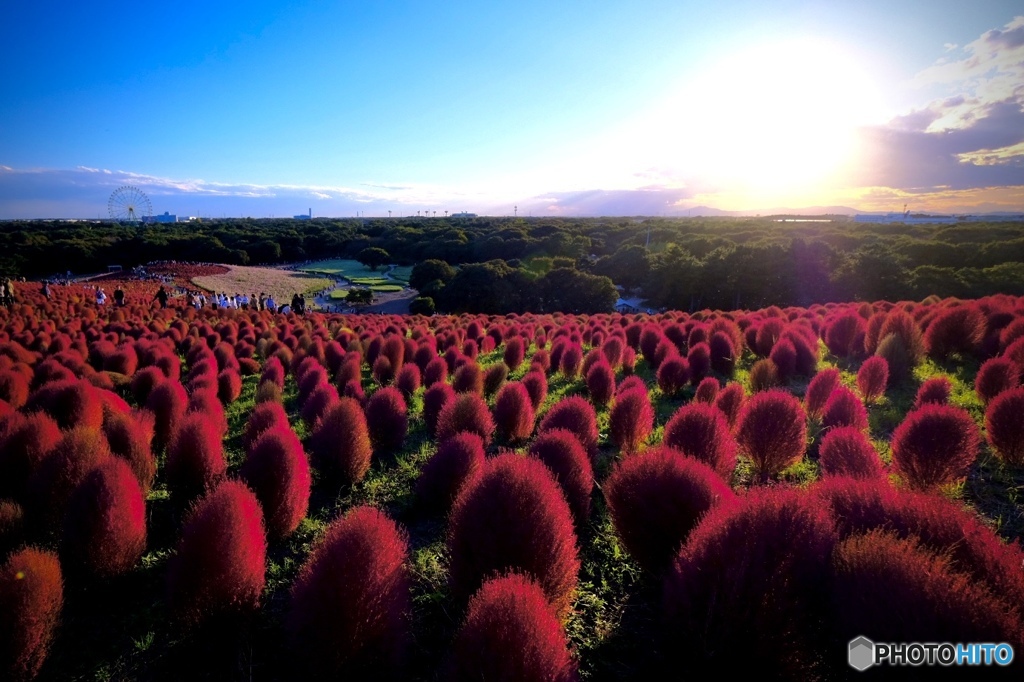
[161, 296]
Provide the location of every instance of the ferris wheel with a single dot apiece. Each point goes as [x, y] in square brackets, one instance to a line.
[129, 205]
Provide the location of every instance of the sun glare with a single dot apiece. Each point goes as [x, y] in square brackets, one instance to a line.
[776, 118]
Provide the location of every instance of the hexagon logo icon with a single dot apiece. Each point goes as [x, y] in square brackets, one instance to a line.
[862, 653]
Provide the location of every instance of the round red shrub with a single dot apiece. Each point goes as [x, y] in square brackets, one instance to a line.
[995, 376]
[277, 470]
[263, 417]
[571, 361]
[656, 498]
[229, 386]
[707, 391]
[844, 408]
[348, 617]
[631, 420]
[723, 354]
[536, 384]
[900, 590]
[387, 418]
[465, 412]
[513, 412]
[341, 442]
[730, 401]
[935, 390]
[268, 392]
[393, 349]
[78, 452]
[27, 441]
[408, 379]
[205, 402]
[73, 403]
[515, 352]
[819, 390]
[14, 388]
[872, 378]
[219, 567]
[601, 383]
[168, 402]
[612, 350]
[673, 375]
[783, 354]
[772, 431]
[31, 601]
[699, 362]
[318, 402]
[458, 460]
[435, 398]
[514, 517]
[1004, 425]
[955, 330]
[105, 527]
[577, 415]
[195, 457]
[435, 372]
[144, 381]
[935, 445]
[510, 633]
[844, 335]
[130, 437]
[383, 372]
[702, 432]
[469, 379]
[567, 459]
[494, 377]
[846, 451]
[764, 375]
[753, 577]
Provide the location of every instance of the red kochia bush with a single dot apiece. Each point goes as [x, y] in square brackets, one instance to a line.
[77, 453]
[673, 374]
[577, 415]
[494, 378]
[601, 383]
[955, 330]
[510, 633]
[514, 517]
[934, 390]
[465, 412]
[783, 354]
[513, 412]
[469, 379]
[844, 335]
[899, 589]
[387, 418]
[699, 361]
[764, 375]
[723, 353]
[935, 445]
[515, 352]
[844, 408]
[341, 442]
[144, 381]
[350, 601]
[772, 431]
[730, 401]
[819, 390]
[318, 402]
[277, 470]
[435, 398]
[219, 566]
[846, 451]
[72, 403]
[872, 378]
[408, 379]
[753, 577]
[536, 384]
[168, 402]
[707, 391]
[31, 600]
[702, 432]
[571, 361]
[14, 388]
[995, 376]
[229, 386]
[105, 527]
[195, 457]
[563, 454]
[435, 372]
[27, 441]
[631, 420]
[656, 498]
[458, 460]
[1004, 424]
[263, 417]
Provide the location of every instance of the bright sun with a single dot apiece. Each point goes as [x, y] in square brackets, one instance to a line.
[772, 119]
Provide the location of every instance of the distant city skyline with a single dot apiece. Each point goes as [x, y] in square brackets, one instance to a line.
[566, 109]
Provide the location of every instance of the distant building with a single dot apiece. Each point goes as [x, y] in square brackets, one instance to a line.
[305, 217]
[463, 215]
[904, 218]
[163, 218]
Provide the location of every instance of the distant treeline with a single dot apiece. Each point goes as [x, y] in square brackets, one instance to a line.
[686, 263]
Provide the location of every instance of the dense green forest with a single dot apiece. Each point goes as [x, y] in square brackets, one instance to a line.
[687, 263]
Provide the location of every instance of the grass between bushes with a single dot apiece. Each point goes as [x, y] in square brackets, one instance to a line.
[119, 629]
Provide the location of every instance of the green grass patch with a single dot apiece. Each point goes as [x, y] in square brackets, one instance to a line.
[339, 294]
[386, 288]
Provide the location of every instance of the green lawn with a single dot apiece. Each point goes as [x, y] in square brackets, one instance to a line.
[357, 273]
[339, 294]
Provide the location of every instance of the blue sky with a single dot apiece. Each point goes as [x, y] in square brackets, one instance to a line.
[568, 108]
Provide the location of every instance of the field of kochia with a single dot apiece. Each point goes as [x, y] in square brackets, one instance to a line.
[238, 494]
